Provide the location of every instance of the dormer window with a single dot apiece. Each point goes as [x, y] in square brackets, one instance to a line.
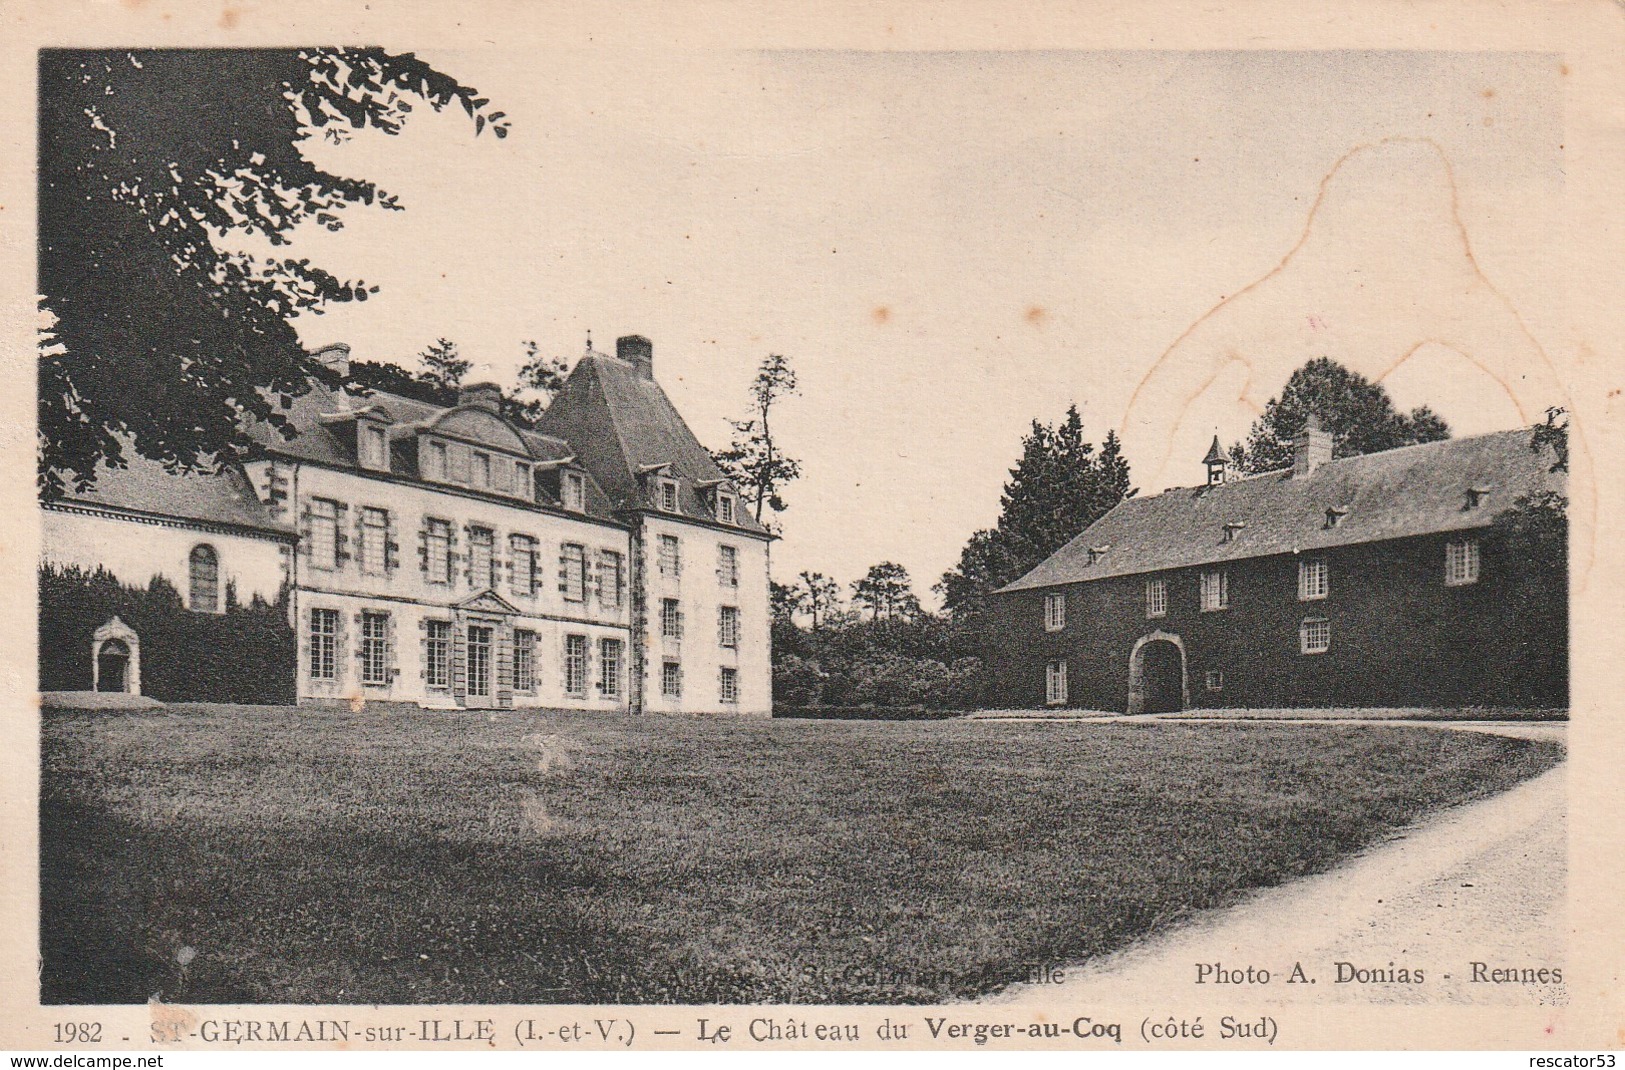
[373, 448]
[435, 466]
[482, 470]
[1476, 496]
[1335, 515]
[668, 495]
[575, 492]
[725, 507]
[1231, 530]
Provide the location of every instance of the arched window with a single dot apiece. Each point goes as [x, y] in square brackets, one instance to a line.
[205, 579]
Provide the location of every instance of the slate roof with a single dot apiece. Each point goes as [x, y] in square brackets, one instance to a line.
[326, 438]
[1416, 490]
[145, 487]
[623, 425]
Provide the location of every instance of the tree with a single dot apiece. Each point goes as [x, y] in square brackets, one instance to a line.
[538, 383]
[443, 366]
[754, 460]
[1359, 414]
[821, 597]
[1058, 488]
[887, 593]
[394, 379]
[152, 164]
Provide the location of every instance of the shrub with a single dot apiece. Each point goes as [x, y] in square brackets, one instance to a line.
[247, 654]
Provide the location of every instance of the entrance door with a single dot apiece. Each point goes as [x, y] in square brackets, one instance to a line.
[113, 666]
[1163, 670]
[479, 662]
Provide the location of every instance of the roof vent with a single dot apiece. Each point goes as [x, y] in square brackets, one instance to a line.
[1476, 496]
[1335, 515]
[1097, 552]
[1231, 529]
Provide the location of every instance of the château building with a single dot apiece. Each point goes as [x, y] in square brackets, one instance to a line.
[1386, 580]
[449, 557]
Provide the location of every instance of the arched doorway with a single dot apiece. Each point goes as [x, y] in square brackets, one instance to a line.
[115, 658]
[113, 666]
[1156, 675]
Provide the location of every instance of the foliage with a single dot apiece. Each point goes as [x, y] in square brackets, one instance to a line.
[820, 596]
[319, 856]
[152, 163]
[246, 654]
[754, 460]
[1358, 413]
[539, 381]
[1554, 435]
[443, 365]
[1058, 488]
[886, 592]
[394, 379]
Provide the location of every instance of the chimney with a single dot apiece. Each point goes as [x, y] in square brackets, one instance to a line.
[486, 396]
[1312, 448]
[335, 356]
[637, 351]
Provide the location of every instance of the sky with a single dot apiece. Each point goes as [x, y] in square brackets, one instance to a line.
[948, 246]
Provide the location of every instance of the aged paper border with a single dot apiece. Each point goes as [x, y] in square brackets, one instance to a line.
[1590, 34]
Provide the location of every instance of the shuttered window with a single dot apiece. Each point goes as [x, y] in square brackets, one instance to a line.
[204, 594]
[573, 573]
[522, 550]
[611, 580]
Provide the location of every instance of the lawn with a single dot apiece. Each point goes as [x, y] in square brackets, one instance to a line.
[251, 854]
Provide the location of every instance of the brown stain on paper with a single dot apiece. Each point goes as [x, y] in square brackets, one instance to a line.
[1577, 436]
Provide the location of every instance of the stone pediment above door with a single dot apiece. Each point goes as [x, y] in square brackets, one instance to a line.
[487, 602]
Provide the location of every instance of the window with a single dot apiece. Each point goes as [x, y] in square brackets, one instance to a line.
[478, 665]
[611, 580]
[1315, 635]
[1215, 590]
[437, 550]
[1215, 680]
[374, 549]
[435, 467]
[671, 557]
[1054, 612]
[481, 558]
[671, 679]
[575, 491]
[437, 654]
[575, 664]
[524, 660]
[668, 495]
[1156, 598]
[503, 478]
[482, 469]
[671, 618]
[1313, 581]
[324, 638]
[573, 573]
[728, 566]
[728, 627]
[375, 649]
[609, 668]
[521, 480]
[728, 685]
[324, 533]
[374, 447]
[1460, 562]
[205, 580]
[1055, 683]
[522, 550]
[725, 508]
